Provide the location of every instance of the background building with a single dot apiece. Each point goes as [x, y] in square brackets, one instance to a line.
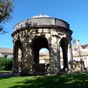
[80, 54]
[6, 52]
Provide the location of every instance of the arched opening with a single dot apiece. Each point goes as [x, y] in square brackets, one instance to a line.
[18, 53]
[64, 49]
[38, 44]
[44, 56]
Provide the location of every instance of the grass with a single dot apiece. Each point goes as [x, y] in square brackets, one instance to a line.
[5, 71]
[60, 81]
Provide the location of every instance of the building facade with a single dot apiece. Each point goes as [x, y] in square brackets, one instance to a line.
[39, 32]
[6, 52]
[80, 57]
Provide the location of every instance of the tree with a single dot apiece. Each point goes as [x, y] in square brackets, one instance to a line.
[5, 11]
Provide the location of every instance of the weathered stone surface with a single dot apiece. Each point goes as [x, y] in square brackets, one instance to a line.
[40, 32]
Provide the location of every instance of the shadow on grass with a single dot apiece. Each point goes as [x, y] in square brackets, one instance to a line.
[60, 81]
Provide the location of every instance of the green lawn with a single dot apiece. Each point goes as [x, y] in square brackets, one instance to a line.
[60, 81]
[2, 71]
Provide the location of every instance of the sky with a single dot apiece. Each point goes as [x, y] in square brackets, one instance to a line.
[75, 12]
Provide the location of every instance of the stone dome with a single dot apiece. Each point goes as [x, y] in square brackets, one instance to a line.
[43, 21]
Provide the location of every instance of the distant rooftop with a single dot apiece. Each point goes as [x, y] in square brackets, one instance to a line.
[6, 50]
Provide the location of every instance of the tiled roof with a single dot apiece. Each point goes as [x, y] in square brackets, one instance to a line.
[85, 46]
[6, 50]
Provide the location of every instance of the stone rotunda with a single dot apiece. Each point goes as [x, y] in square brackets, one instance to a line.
[39, 32]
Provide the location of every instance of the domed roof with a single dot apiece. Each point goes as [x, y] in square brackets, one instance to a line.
[41, 15]
[43, 21]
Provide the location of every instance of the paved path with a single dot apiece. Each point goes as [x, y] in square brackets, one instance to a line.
[6, 74]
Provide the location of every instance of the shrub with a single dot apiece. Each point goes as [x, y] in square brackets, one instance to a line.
[5, 63]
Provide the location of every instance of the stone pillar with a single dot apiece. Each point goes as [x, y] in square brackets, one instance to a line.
[51, 53]
[58, 54]
[55, 54]
[27, 61]
[15, 60]
[70, 55]
[27, 57]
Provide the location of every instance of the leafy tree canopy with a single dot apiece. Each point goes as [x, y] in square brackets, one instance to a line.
[6, 8]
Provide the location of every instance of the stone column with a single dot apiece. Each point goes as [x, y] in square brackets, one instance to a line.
[55, 54]
[27, 57]
[51, 54]
[58, 54]
[15, 60]
[70, 55]
[27, 61]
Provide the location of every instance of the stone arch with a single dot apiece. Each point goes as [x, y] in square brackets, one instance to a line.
[18, 55]
[38, 43]
[64, 46]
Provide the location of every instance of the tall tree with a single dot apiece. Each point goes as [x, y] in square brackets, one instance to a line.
[6, 8]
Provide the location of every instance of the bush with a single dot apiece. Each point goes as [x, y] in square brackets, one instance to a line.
[5, 63]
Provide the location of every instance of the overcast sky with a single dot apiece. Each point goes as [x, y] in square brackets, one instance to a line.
[75, 12]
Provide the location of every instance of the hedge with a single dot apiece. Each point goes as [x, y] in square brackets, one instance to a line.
[5, 63]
